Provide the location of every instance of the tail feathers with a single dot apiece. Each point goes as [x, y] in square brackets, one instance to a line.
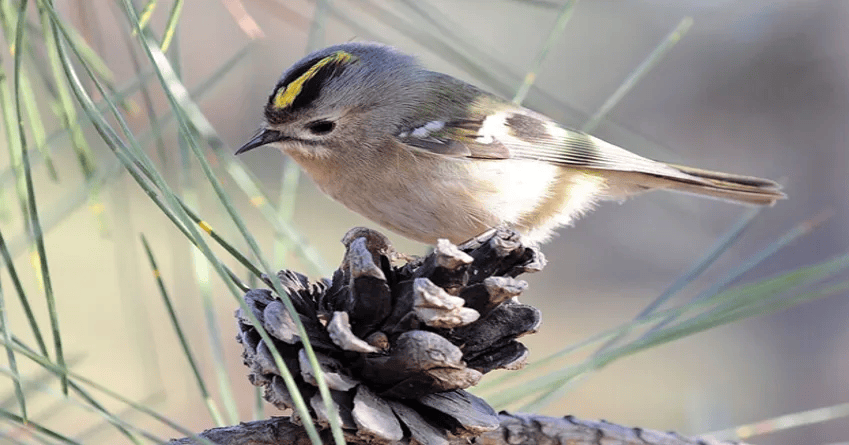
[738, 188]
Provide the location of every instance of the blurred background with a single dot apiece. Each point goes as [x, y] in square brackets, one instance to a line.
[753, 87]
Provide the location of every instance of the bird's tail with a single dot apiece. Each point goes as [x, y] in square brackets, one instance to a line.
[738, 188]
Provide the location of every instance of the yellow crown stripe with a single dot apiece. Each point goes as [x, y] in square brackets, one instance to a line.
[287, 94]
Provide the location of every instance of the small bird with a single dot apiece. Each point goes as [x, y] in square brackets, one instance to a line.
[429, 156]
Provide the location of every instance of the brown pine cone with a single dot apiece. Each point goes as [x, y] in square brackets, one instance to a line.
[398, 345]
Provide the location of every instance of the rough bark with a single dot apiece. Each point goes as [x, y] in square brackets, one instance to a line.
[514, 429]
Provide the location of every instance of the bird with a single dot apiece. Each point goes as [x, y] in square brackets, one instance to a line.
[431, 157]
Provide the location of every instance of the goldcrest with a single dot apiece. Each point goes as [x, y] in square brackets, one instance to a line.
[429, 156]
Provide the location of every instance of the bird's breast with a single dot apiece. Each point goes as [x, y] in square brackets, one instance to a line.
[427, 197]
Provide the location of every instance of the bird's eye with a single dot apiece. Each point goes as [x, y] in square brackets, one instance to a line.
[321, 127]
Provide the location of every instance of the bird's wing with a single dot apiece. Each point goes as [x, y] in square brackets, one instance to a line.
[522, 134]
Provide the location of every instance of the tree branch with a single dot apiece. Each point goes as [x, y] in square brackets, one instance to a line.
[515, 429]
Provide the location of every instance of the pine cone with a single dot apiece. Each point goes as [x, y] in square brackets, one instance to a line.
[398, 345]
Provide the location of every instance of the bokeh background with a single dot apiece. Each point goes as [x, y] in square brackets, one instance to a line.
[755, 87]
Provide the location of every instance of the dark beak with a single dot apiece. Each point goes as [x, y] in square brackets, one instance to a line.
[262, 138]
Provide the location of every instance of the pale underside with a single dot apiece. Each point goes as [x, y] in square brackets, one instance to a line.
[459, 198]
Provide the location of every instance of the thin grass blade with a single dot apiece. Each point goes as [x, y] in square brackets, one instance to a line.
[188, 112]
[291, 173]
[36, 126]
[559, 26]
[756, 293]
[650, 61]
[36, 427]
[720, 247]
[800, 230]
[141, 162]
[35, 225]
[175, 322]
[147, 100]
[785, 422]
[13, 143]
[201, 267]
[146, 14]
[22, 297]
[171, 25]
[68, 120]
[78, 379]
[259, 404]
[10, 354]
[87, 404]
[73, 200]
